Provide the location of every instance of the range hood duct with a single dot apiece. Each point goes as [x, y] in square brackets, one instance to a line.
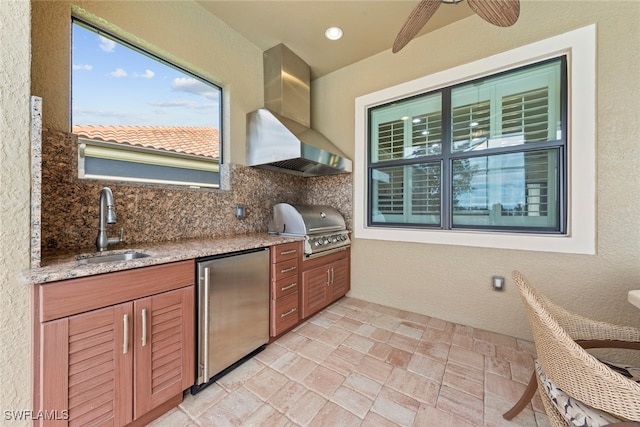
[279, 136]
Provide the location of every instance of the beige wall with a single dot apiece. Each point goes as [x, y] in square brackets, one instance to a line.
[180, 31]
[453, 282]
[15, 335]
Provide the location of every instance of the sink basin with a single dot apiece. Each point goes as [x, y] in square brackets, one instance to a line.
[98, 259]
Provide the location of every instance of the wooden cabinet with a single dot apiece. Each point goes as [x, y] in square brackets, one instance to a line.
[114, 349]
[285, 277]
[324, 280]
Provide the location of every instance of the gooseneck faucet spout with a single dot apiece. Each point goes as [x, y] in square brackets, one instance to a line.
[107, 216]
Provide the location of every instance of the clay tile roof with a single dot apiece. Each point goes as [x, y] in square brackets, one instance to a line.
[200, 141]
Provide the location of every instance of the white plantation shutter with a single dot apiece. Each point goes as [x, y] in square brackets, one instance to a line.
[391, 140]
[391, 191]
[527, 113]
[470, 124]
[493, 161]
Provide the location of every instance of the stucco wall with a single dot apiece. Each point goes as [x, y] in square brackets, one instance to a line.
[15, 322]
[453, 282]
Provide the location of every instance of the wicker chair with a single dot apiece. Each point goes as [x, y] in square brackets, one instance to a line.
[560, 338]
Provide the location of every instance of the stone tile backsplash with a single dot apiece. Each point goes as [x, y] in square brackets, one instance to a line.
[155, 213]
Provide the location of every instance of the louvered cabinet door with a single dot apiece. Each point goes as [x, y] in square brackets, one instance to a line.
[315, 285]
[340, 279]
[164, 342]
[86, 363]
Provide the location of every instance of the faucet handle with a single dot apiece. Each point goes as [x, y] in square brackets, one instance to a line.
[121, 234]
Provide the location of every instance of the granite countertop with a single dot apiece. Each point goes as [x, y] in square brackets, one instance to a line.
[64, 266]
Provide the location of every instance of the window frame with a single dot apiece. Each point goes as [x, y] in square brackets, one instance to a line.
[448, 155]
[153, 156]
[580, 235]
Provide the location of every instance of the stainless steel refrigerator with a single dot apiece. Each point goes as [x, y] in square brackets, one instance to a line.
[233, 311]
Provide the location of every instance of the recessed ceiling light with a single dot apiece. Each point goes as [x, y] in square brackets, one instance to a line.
[333, 33]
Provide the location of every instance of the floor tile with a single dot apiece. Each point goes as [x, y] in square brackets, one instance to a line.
[395, 407]
[351, 400]
[374, 368]
[267, 416]
[461, 404]
[431, 416]
[265, 383]
[195, 405]
[413, 385]
[287, 396]
[427, 367]
[362, 364]
[363, 385]
[306, 408]
[334, 415]
[323, 381]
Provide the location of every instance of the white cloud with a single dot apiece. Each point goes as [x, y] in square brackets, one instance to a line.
[86, 112]
[83, 67]
[118, 72]
[193, 86]
[148, 74]
[175, 103]
[106, 44]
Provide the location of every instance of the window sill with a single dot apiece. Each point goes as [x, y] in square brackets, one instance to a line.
[517, 241]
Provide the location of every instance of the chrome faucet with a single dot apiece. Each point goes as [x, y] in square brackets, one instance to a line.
[107, 216]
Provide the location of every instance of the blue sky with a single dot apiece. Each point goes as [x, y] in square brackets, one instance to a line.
[115, 85]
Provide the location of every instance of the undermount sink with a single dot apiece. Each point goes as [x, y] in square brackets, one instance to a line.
[98, 259]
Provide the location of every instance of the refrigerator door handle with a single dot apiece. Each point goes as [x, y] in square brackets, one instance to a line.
[205, 326]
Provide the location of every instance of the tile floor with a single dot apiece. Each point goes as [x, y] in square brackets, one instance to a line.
[363, 364]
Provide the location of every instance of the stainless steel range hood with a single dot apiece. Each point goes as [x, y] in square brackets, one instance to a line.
[278, 136]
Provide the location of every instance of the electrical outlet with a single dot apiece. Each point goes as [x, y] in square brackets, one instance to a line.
[498, 283]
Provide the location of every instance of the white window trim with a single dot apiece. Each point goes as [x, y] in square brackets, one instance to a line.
[580, 47]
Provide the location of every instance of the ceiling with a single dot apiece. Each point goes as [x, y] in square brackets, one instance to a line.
[370, 27]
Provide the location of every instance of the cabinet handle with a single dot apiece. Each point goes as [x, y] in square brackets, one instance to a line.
[125, 342]
[292, 251]
[144, 327]
[332, 275]
[286, 270]
[284, 288]
[293, 310]
[328, 277]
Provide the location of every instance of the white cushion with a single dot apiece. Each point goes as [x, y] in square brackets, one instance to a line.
[574, 412]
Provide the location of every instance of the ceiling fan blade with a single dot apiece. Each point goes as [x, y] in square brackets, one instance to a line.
[416, 20]
[503, 13]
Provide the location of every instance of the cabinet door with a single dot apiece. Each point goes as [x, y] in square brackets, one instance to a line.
[164, 343]
[86, 365]
[340, 278]
[315, 288]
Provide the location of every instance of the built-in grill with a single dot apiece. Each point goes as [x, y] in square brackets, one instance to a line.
[322, 227]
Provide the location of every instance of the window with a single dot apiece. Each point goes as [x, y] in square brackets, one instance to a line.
[496, 153]
[139, 117]
[487, 154]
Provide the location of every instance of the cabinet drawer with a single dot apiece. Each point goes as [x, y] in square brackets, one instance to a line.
[285, 313]
[73, 296]
[284, 269]
[284, 287]
[286, 251]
